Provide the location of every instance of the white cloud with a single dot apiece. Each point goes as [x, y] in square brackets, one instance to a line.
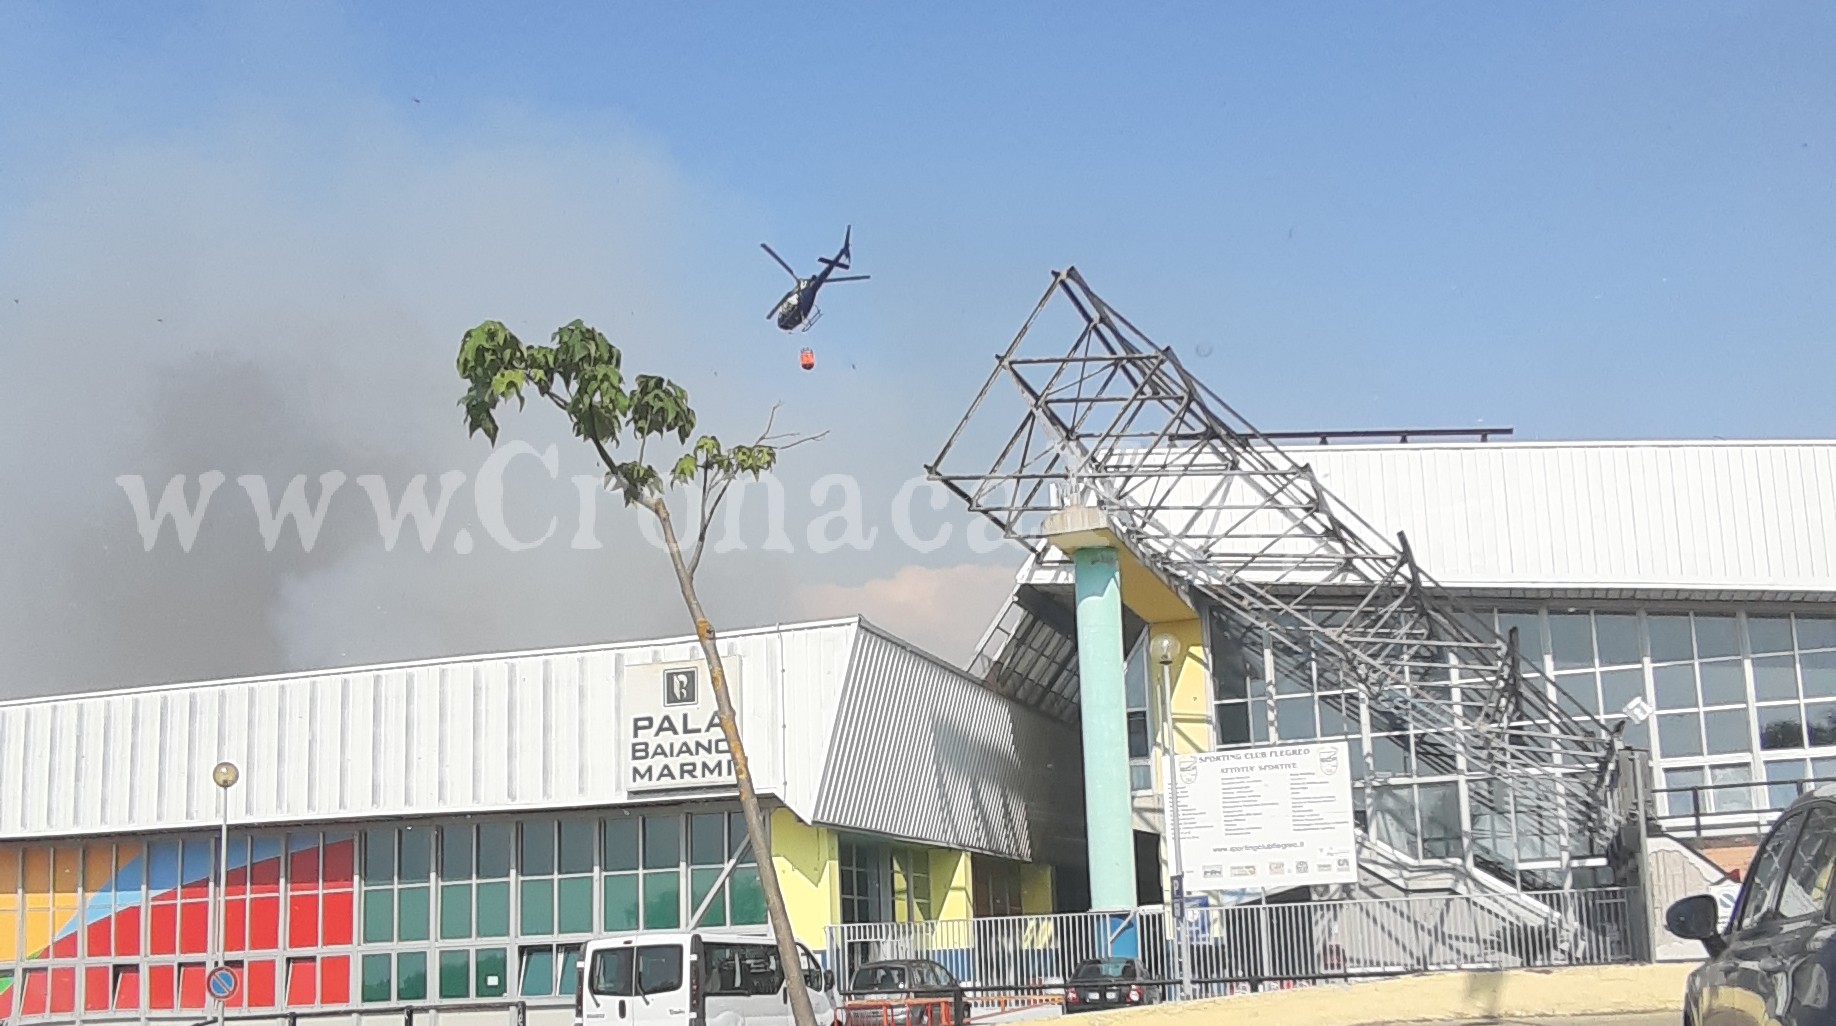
[943, 610]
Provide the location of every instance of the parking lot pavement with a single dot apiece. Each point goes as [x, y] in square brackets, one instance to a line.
[1647, 1019]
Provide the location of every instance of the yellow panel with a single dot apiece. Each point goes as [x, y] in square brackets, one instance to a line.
[952, 896]
[805, 859]
[9, 934]
[1035, 889]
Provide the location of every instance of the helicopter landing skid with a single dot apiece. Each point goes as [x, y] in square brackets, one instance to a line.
[810, 321]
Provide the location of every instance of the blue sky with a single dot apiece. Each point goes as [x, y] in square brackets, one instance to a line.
[1578, 220]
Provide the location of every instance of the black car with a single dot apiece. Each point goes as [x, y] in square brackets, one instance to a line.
[905, 992]
[1101, 983]
[1774, 961]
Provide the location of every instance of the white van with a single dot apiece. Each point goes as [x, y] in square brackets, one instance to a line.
[694, 978]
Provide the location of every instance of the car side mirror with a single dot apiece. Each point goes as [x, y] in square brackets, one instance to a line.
[1697, 918]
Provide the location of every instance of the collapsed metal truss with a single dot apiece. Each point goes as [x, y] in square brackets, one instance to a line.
[1223, 516]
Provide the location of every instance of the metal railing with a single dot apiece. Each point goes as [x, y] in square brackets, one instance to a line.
[1728, 809]
[1256, 946]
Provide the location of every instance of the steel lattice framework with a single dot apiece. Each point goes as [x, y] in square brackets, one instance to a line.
[1231, 522]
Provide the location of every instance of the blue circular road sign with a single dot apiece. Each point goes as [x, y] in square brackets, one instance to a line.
[222, 983]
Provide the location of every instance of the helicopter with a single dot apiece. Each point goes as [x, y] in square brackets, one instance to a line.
[797, 310]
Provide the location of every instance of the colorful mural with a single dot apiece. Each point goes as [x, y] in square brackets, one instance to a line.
[119, 926]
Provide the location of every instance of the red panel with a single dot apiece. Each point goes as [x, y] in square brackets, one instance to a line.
[6, 1001]
[37, 988]
[63, 991]
[95, 989]
[67, 947]
[235, 924]
[340, 917]
[127, 989]
[340, 865]
[161, 989]
[303, 921]
[264, 924]
[301, 980]
[335, 980]
[195, 890]
[191, 985]
[259, 984]
[265, 877]
[100, 934]
[194, 928]
[127, 931]
[303, 870]
[163, 938]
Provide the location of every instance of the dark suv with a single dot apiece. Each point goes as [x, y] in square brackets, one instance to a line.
[905, 992]
[1774, 962]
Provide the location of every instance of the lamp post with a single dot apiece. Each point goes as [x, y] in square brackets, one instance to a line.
[224, 775]
[1165, 648]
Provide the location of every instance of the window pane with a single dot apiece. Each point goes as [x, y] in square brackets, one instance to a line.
[411, 976]
[1669, 638]
[1769, 634]
[1820, 722]
[411, 914]
[736, 836]
[1806, 887]
[493, 978]
[707, 839]
[746, 897]
[1675, 686]
[456, 911]
[1579, 687]
[1233, 724]
[622, 843]
[538, 972]
[577, 846]
[378, 916]
[1758, 895]
[1732, 799]
[1333, 722]
[538, 847]
[456, 853]
[621, 902]
[1618, 638]
[376, 982]
[1775, 679]
[662, 842]
[1782, 778]
[575, 900]
[1816, 632]
[1571, 638]
[455, 974]
[1717, 636]
[701, 882]
[493, 907]
[1727, 731]
[662, 900]
[1294, 719]
[1724, 683]
[1819, 669]
[1679, 734]
[538, 907]
[1137, 735]
[494, 850]
[417, 855]
[567, 959]
[379, 858]
[1390, 753]
[1618, 687]
[1780, 726]
[1529, 634]
[1680, 802]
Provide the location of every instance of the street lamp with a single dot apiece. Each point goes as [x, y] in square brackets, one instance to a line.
[1165, 648]
[224, 775]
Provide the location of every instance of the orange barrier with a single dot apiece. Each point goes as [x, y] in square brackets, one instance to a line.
[913, 1012]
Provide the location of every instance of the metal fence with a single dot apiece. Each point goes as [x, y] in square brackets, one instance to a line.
[1250, 947]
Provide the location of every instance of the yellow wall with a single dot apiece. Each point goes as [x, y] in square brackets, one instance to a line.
[805, 859]
[1035, 889]
[952, 896]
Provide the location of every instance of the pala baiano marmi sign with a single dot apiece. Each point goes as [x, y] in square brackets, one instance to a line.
[670, 727]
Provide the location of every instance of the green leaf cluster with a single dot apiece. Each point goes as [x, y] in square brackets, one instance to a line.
[581, 372]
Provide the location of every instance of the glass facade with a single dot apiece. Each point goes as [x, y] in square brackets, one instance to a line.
[1718, 694]
[476, 909]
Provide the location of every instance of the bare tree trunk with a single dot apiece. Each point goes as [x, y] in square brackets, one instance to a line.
[802, 1013]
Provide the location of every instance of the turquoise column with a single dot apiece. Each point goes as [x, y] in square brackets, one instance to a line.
[1108, 817]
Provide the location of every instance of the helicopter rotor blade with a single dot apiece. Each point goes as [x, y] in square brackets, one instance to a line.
[779, 259]
[851, 277]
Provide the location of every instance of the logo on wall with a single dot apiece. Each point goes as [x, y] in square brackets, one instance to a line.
[671, 729]
[679, 686]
